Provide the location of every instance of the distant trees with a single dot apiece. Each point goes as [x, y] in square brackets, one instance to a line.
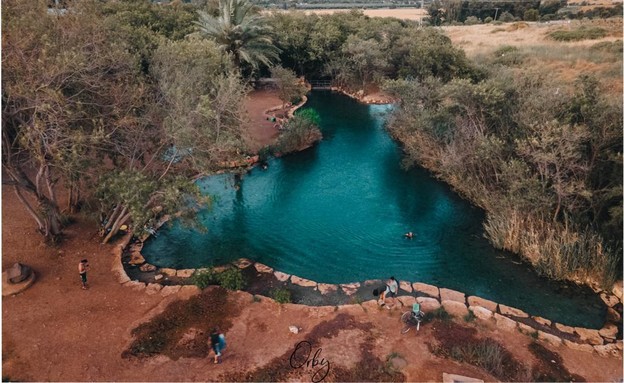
[358, 52]
[241, 31]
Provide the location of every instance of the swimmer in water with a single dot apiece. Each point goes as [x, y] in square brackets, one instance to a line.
[409, 235]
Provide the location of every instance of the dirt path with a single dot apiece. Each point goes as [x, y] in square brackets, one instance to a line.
[260, 131]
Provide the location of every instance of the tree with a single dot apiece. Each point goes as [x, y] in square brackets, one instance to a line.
[203, 101]
[290, 88]
[69, 89]
[241, 31]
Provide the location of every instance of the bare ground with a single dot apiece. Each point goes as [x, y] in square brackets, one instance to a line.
[54, 331]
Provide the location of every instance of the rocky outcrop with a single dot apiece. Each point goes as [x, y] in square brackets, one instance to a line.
[282, 277]
[478, 301]
[507, 310]
[456, 309]
[590, 336]
[424, 288]
[481, 312]
[428, 304]
[452, 295]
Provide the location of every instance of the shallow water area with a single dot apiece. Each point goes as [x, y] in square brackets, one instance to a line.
[337, 212]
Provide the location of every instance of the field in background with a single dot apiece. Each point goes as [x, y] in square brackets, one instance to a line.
[399, 13]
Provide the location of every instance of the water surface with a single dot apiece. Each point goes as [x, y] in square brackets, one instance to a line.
[337, 213]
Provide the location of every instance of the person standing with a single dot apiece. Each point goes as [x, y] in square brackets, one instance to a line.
[393, 286]
[217, 342]
[83, 267]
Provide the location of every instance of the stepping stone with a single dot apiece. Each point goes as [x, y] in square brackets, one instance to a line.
[478, 301]
[282, 277]
[326, 288]
[430, 290]
[452, 295]
[263, 268]
[507, 310]
[302, 281]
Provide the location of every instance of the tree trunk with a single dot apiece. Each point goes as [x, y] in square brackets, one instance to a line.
[122, 219]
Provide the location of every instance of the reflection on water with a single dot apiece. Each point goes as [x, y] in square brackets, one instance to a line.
[337, 213]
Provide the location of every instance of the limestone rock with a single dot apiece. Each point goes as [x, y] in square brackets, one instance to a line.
[452, 295]
[293, 329]
[407, 286]
[609, 299]
[525, 328]
[18, 273]
[550, 338]
[326, 288]
[613, 315]
[189, 290]
[406, 300]
[506, 310]
[542, 321]
[169, 272]
[350, 288]
[158, 277]
[428, 304]
[607, 350]
[147, 268]
[478, 301]
[168, 290]
[136, 285]
[153, 288]
[136, 258]
[218, 269]
[263, 268]
[617, 289]
[430, 290]
[608, 331]
[456, 309]
[302, 281]
[242, 263]
[564, 328]
[505, 323]
[618, 344]
[185, 273]
[578, 346]
[282, 277]
[591, 336]
[481, 312]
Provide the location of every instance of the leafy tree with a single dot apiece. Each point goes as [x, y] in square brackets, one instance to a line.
[241, 31]
[290, 88]
[69, 91]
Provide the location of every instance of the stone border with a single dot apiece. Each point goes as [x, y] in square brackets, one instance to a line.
[430, 297]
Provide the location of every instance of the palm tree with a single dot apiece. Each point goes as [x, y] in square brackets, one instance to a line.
[240, 31]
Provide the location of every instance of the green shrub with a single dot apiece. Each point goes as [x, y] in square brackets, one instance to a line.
[204, 278]
[506, 17]
[281, 295]
[488, 20]
[231, 279]
[300, 132]
[486, 354]
[582, 33]
[531, 15]
[472, 20]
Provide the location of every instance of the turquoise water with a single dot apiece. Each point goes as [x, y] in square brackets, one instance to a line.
[337, 213]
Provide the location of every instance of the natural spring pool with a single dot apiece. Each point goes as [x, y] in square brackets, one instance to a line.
[337, 212]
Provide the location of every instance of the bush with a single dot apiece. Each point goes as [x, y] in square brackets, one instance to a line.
[506, 17]
[472, 20]
[531, 15]
[231, 279]
[281, 295]
[300, 132]
[204, 278]
[488, 20]
[582, 33]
